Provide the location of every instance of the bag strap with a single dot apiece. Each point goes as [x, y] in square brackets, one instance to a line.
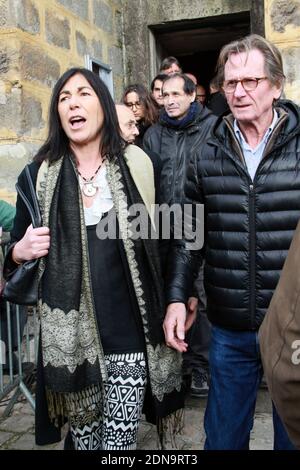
[34, 210]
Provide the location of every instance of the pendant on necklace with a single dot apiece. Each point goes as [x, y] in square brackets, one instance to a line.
[88, 189]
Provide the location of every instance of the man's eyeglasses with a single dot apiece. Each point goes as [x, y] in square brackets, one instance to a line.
[249, 84]
[131, 105]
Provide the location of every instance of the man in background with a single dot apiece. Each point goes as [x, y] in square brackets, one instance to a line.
[170, 65]
[129, 131]
[181, 130]
[201, 94]
[156, 89]
[127, 123]
[217, 102]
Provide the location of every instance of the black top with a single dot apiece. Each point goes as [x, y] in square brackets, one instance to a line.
[116, 306]
[217, 103]
[176, 147]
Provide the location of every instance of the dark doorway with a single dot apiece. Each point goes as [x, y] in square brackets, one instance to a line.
[197, 43]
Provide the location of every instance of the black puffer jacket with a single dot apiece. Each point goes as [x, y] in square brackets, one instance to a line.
[175, 147]
[248, 225]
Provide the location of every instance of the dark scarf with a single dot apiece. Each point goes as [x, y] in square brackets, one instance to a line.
[73, 359]
[184, 122]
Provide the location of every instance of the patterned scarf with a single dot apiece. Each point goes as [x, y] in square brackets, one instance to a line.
[73, 358]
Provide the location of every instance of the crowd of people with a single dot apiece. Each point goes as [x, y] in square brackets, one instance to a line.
[131, 324]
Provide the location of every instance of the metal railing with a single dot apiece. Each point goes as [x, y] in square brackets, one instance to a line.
[19, 330]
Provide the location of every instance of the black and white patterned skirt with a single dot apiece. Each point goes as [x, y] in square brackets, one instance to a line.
[120, 409]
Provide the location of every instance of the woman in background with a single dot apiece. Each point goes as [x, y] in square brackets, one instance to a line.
[144, 107]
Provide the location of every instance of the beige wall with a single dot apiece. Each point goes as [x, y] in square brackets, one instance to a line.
[140, 14]
[39, 40]
[282, 22]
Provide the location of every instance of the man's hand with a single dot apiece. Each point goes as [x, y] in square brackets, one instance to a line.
[174, 326]
[192, 305]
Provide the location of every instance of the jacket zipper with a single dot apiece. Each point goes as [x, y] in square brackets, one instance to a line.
[252, 257]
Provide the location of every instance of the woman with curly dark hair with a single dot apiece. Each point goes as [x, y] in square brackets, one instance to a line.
[144, 107]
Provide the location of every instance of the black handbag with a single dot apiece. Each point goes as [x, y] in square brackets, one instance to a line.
[21, 285]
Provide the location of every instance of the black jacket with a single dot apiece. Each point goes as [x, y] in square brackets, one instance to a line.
[175, 147]
[217, 103]
[248, 225]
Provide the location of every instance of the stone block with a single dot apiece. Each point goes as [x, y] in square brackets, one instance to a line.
[118, 86]
[263, 402]
[81, 44]
[37, 65]
[118, 26]
[116, 59]
[13, 158]
[25, 16]
[96, 47]
[23, 408]
[291, 61]
[284, 12]
[10, 111]
[103, 16]
[4, 437]
[261, 437]
[3, 13]
[25, 442]
[4, 61]
[19, 424]
[79, 8]
[57, 30]
[31, 115]
[118, 3]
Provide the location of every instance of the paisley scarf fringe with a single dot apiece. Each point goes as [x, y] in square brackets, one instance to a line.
[79, 408]
[168, 428]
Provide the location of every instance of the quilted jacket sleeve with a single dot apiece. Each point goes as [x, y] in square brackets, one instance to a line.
[186, 254]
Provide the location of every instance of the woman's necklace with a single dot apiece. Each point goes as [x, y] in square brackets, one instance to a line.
[88, 187]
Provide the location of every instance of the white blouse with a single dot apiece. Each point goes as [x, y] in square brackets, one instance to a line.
[102, 202]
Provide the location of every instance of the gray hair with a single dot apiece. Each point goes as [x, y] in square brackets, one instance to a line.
[273, 59]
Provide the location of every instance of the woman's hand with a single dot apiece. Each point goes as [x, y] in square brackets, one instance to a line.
[34, 244]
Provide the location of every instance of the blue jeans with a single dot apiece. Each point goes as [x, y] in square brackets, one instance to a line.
[236, 372]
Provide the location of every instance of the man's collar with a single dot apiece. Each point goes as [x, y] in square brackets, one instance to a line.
[240, 135]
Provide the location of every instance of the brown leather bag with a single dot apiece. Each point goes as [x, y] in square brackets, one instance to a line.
[279, 338]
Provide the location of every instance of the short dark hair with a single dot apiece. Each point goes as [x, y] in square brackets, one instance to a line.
[57, 143]
[189, 86]
[160, 77]
[273, 59]
[167, 62]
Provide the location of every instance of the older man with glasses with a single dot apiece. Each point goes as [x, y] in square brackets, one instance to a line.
[247, 176]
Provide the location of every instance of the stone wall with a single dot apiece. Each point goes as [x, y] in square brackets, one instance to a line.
[39, 40]
[140, 14]
[282, 19]
[282, 26]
